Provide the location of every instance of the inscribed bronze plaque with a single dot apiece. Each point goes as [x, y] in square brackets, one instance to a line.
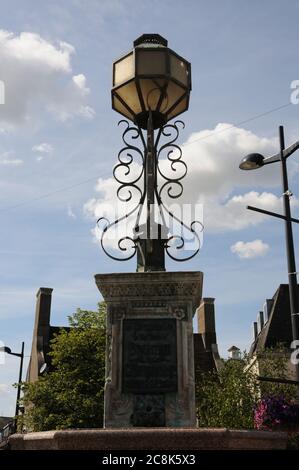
[149, 356]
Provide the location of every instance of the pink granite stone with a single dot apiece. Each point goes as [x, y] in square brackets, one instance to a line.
[149, 439]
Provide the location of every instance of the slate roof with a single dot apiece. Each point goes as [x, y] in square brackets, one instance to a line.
[277, 329]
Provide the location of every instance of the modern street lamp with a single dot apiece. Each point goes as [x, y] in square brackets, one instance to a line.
[7, 350]
[151, 86]
[252, 162]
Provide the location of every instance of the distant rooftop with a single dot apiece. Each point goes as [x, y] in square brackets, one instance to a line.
[277, 328]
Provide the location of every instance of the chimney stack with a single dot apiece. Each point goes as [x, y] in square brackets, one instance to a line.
[43, 308]
[255, 333]
[206, 321]
[260, 320]
[267, 309]
[41, 332]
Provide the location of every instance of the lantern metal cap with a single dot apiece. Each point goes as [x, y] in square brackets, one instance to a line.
[151, 39]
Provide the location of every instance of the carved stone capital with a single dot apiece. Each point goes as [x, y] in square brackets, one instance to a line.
[151, 286]
[117, 312]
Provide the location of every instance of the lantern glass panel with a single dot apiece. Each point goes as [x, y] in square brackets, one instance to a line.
[179, 69]
[180, 108]
[174, 93]
[128, 93]
[119, 107]
[124, 69]
[151, 62]
[151, 93]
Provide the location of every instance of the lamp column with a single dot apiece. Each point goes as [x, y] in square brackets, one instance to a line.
[292, 274]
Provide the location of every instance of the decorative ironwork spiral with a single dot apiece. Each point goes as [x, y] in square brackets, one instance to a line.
[127, 156]
[178, 168]
[180, 238]
[120, 244]
[130, 171]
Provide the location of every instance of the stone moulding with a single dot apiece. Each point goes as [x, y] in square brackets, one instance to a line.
[150, 439]
[151, 286]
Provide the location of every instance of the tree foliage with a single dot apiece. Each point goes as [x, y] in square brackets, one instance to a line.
[227, 398]
[273, 364]
[71, 395]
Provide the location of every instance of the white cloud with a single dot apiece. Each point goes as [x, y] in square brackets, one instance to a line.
[80, 82]
[7, 158]
[43, 148]
[246, 250]
[38, 76]
[213, 158]
[233, 215]
[30, 47]
[70, 212]
[87, 112]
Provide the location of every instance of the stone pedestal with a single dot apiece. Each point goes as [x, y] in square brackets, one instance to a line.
[149, 357]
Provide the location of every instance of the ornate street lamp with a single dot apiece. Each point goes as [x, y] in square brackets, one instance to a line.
[254, 161]
[151, 86]
[149, 359]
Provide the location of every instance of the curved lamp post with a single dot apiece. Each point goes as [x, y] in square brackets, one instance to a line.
[151, 86]
[7, 350]
[252, 162]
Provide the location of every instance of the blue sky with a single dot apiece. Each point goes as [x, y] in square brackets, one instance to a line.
[59, 135]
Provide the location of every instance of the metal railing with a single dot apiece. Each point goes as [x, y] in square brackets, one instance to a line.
[278, 380]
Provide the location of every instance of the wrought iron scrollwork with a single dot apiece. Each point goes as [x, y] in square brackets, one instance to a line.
[120, 243]
[131, 174]
[123, 172]
[174, 154]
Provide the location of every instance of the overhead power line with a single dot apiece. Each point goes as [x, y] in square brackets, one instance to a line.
[75, 185]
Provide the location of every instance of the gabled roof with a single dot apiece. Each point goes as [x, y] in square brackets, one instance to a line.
[278, 328]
